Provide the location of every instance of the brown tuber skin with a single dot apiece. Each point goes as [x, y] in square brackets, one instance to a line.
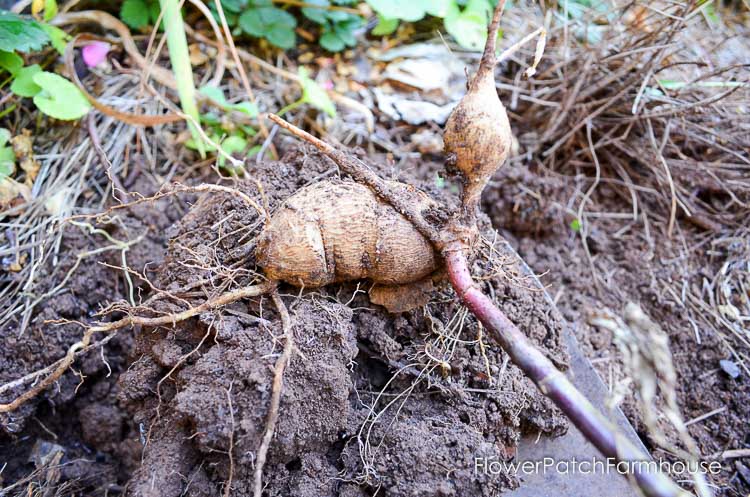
[477, 135]
[331, 232]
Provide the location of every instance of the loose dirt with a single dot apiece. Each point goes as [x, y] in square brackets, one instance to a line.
[528, 206]
[80, 419]
[394, 404]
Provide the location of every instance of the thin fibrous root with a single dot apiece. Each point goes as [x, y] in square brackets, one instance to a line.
[278, 384]
[176, 188]
[170, 319]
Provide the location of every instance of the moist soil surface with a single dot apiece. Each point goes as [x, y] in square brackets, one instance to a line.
[372, 402]
[617, 266]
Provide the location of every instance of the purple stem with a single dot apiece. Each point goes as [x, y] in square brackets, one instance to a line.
[551, 382]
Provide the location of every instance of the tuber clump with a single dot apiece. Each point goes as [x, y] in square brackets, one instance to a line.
[336, 231]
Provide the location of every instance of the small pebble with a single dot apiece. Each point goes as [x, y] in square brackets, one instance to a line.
[730, 367]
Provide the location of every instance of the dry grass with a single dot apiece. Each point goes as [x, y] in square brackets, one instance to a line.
[645, 108]
[651, 100]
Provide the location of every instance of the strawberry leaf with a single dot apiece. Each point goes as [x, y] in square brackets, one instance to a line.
[20, 33]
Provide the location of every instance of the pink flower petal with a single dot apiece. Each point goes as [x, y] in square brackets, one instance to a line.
[95, 53]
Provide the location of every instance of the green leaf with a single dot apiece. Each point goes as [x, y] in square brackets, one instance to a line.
[282, 36]
[7, 156]
[20, 33]
[50, 9]
[11, 62]
[58, 37]
[248, 130]
[575, 225]
[214, 93]
[4, 136]
[248, 108]
[331, 41]
[7, 162]
[211, 119]
[263, 20]
[338, 16]
[235, 6]
[23, 85]
[346, 29]
[316, 15]
[135, 13]
[340, 35]
[217, 96]
[314, 95]
[193, 144]
[406, 10]
[231, 145]
[154, 11]
[276, 25]
[59, 97]
[468, 27]
[385, 26]
[439, 8]
[481, 7]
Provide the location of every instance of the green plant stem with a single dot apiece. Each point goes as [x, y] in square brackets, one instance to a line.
[7, 110]
[183, 72]
[291, 107]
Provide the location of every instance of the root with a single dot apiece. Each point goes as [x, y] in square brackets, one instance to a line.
[150, 322]
[228, 484]
[550, 381]
[178, 188]
[278, 384]
[451, 244]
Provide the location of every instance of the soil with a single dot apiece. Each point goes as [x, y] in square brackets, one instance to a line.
[373, 403]
[83, 420]
[525, 204]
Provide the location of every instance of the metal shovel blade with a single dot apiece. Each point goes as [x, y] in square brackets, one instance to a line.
[550, 478]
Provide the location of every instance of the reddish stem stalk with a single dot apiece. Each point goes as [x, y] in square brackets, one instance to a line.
[550, 381]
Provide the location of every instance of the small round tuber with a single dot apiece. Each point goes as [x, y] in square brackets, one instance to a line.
[336, 231]
[477, 135]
